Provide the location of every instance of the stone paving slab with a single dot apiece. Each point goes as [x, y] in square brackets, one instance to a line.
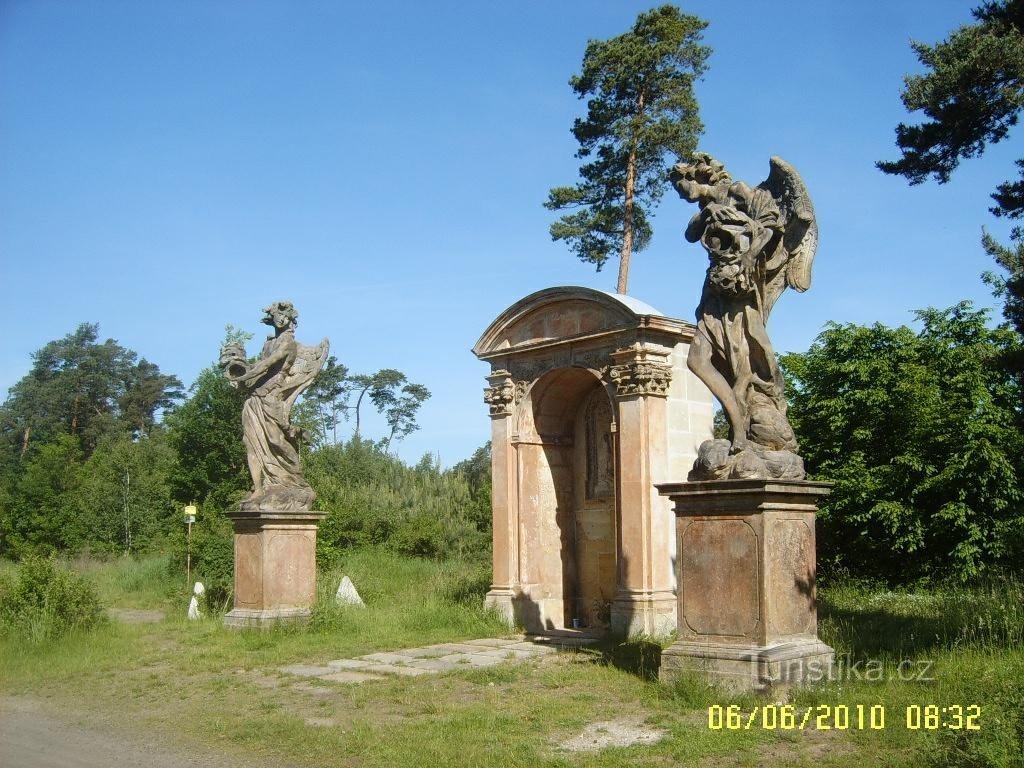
[430, 659]
[398, 669]
[429, 652]
[480, 660]
[347, 664]
[434, 665]
[489, 642]
[386, 658]
[307, 670]
[349, 676]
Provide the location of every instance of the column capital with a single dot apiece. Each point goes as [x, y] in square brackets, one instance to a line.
[641, 369]
[503, 393]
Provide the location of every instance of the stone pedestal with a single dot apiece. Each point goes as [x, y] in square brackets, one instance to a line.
[275, 567]
[747, 612]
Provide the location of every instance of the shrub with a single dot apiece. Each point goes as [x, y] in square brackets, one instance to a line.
[374, 499]
[43, 600]
[213, 557]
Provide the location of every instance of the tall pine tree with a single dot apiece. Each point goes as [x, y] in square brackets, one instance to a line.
[641, 108]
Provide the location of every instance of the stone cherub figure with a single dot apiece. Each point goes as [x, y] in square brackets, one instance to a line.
[284, 369]
[759, 240]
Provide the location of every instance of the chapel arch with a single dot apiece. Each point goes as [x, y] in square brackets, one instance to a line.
[591, 404]
[566, 468]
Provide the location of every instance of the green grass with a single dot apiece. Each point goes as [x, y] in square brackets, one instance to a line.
[202, 683]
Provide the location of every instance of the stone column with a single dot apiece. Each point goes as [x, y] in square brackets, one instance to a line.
[644, 601]
[500, 397]
[747, 601]
[275, 567]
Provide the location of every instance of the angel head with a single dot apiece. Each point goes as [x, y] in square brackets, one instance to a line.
[281, 315]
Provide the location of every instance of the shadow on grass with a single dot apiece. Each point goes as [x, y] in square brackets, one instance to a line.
[637, 656]
[874, 632]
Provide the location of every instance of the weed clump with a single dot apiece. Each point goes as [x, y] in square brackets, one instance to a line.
[44, 601]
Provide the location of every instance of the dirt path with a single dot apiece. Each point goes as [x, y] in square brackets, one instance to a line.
[34, 736]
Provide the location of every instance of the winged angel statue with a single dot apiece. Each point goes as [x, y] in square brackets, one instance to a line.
[284, 369]
[759, 240]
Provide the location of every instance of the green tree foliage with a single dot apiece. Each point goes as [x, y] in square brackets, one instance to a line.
[42, 510]
[1010, 288]
[477, 471]
[972, 95]
[116, 500]
[918, 433]
[86, 389]
[329, 396]
[396, 398]
[124, 499]
[641, 108]
[206, 435]
[374, 499]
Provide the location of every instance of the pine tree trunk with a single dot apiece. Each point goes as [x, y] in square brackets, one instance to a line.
[627, 224]
[627, 213]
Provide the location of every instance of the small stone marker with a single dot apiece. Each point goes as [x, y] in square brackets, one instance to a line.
[347, 594]
[193, 607]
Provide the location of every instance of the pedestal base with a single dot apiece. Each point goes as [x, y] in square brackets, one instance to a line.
[502, 602]
[240, 618]
[643, 613]
[748, 616]
[275, 567]
[750, 667]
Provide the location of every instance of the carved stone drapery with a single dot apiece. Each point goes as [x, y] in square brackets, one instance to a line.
[641, 370]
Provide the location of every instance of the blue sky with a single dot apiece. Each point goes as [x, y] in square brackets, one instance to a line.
[168, 168]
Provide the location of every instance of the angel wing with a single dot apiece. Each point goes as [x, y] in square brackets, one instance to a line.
[308, 362]
[801, 236]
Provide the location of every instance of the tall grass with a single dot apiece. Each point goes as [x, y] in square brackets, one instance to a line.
[859, 617]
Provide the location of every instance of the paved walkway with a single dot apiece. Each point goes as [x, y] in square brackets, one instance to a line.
[432, 659]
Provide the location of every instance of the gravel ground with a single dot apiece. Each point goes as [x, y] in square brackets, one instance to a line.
[34, 736]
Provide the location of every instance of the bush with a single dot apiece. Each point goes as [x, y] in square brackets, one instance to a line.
[920, 434]
[44, 601]
[374, 499]
[213, 557]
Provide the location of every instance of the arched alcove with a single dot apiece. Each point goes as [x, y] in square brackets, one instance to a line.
[564, 454]
[591, 404]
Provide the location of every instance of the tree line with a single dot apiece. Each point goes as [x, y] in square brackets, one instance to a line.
[99, 449]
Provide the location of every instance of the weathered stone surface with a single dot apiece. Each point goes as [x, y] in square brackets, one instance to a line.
[275, 529]
[347, 594]
[436, 665]
[747, 607]
[385, 658]
[483, 659]
[612, 733]
[591, 403]
[397, 669]
[491, 642]
[349, 664]
[307, 670]
[760, 240]
[412, 662]
[285, 368]
[275, 567]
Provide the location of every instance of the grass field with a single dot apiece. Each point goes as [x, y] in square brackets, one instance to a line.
[199, 683]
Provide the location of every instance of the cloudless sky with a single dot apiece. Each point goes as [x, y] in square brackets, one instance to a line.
[167, 168]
